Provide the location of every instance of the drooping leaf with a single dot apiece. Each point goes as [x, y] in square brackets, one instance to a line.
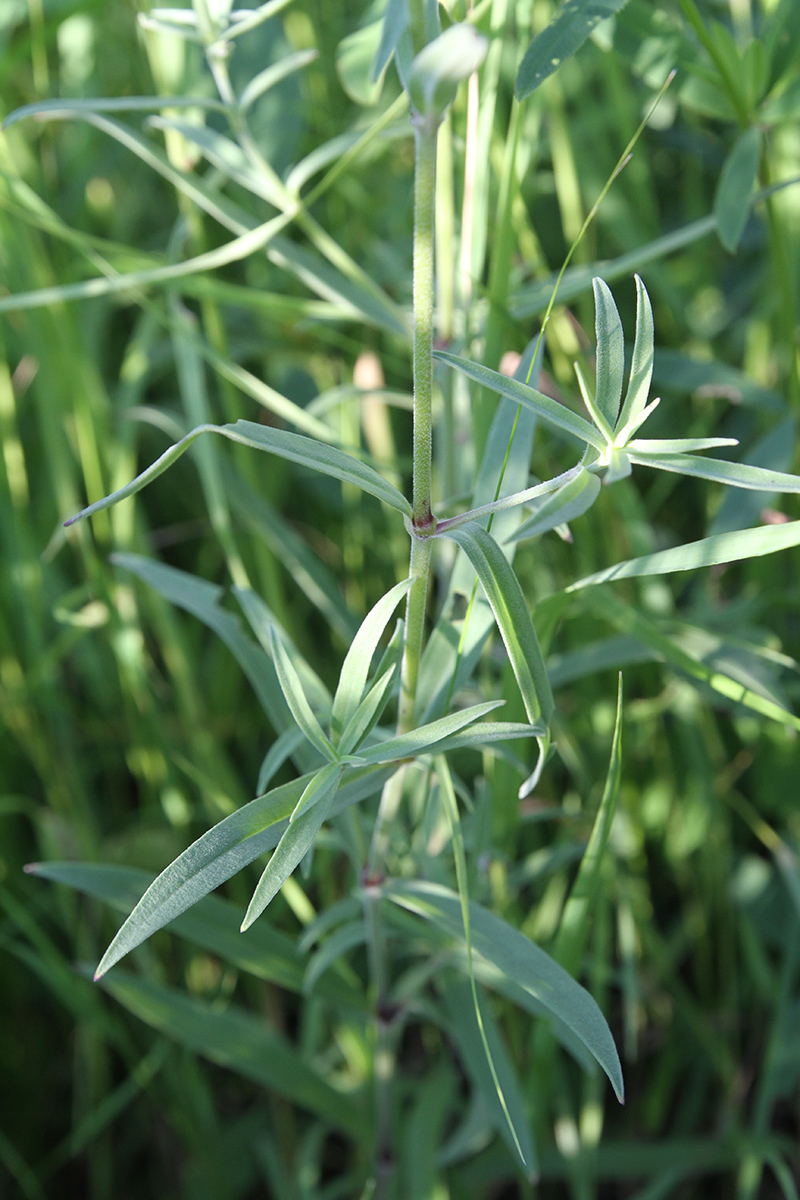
[359, 657]
[307, 452]
[566, 33]
[511, 614]
[296, 840]
[567, 504]
[610, 352]
[732, 199]
[549, 410]
[521, 960]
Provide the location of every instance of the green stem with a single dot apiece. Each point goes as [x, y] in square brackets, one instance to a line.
[424, 196]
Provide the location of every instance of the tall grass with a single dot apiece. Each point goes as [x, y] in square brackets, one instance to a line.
[255, 244]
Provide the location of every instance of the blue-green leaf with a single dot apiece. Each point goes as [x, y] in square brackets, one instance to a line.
[567, 504]
[641, 365]
[407, 745]
[610, 352]
[511, 614]
[521, 960]
[296, 698]
[566, 33]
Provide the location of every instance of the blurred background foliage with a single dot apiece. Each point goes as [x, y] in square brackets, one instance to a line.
[126, 729]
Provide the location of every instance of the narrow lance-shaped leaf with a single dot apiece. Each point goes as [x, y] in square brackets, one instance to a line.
[232, 844]
[610, 352]
[757, 479]
[307, 452]
[708, 552]
[368, 712]
[451, 809]
[296, 698]
[357, 662]
[511, 614]
[297, 839]
[543, 406]
[567, 504]
[574, 928]
[641, 365]
[407, 745]
[566, 33]
[595, 412]
[324, 782]
[522, 961]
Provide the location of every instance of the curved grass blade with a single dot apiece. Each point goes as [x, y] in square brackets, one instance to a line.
[450, 805]
[610, 352]
[641, 365]
[549, 410]
[304, 451]
[567, 504]
[741, 475]
[296, 840]
[407, 745]
[272, 75]
[708, 552]
[521, 960]
[511, 614]
[566, 33]
[575, 920]
[46, 109]
[357, 662]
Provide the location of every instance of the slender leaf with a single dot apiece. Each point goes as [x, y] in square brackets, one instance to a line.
[486, 733]
[542, 406]
[521, 960]
[610, 352]
[511, 614]
[641, 365]
[407, 745]
[281, 749]
[44, 109]
[356, 665]
[566, 33]
[735, 474]
[232, 844]
[323, 784]
[273, 75]
[369, 711]
[293, 446]
[296, 840]
[296, 698]
[708, 552]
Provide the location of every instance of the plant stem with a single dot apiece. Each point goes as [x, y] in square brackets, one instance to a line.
[423, 521]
